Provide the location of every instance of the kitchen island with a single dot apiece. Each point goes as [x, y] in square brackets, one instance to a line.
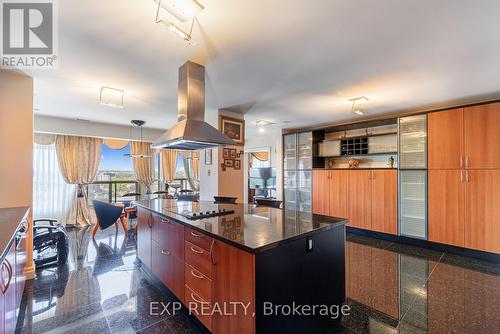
[245, 269]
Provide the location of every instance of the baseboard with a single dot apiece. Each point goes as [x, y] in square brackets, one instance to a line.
[475, 254]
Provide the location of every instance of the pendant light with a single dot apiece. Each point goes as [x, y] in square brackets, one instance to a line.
[139, 124]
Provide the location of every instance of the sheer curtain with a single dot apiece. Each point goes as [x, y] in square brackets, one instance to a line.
[52, 196]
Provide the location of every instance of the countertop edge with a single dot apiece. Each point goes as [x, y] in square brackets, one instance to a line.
[341, 222]
[26, 210]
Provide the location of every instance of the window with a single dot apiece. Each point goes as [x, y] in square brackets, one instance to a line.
[115, 166]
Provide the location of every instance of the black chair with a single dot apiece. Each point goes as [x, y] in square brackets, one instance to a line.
[272, 203]
[107, 215]
[225, 200]
[50, 242]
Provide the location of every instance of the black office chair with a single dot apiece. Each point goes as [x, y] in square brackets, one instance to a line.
[225, 200]
[50, 242]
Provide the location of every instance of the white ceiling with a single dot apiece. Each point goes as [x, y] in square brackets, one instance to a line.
[296, 61]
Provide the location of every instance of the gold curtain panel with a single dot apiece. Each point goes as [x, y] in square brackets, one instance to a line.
[262, 156]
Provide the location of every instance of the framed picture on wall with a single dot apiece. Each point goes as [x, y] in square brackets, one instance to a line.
[208, 156]
[233, 128]
[228, 163]
[237, 164]
[226, 153]
[232, 153]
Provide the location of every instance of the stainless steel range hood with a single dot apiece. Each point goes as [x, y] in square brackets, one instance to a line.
[191, 132]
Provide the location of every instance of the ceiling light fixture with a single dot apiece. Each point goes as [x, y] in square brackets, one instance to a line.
[182, 10]
[139, 124]
[112, 97]
[357, 103]
[262, 122]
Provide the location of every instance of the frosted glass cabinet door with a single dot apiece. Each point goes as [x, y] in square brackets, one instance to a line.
[413, 142]
[290, 189]
[290, 151]
[305, 150]
[413, 203]
[305, 191]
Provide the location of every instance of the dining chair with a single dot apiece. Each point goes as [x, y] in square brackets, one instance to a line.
[107, 215]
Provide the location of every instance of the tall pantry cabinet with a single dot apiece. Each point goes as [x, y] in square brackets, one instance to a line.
[464, 177]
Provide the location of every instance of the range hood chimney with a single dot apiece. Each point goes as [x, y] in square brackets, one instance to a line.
[191, 132]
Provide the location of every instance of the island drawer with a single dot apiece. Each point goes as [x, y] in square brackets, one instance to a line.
[199, 307]
[198, 258]
[199, 283]
[170, 236]
[198, 238]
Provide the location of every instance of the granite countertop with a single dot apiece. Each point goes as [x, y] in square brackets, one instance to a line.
[253, 229]
[10, 218]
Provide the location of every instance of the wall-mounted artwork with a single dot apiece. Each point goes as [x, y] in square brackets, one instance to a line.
[232, 153]
[228, 163]
[237, 164]
[233, 128]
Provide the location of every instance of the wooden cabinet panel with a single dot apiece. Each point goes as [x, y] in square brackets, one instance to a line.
[321, 192]
[234, 281]
[10, 293]
[199, 307]
[169, 269]
[197, 238]
[359, 199]
[177, 285]
[446, 207]
[198, 258]
[385, 201]
[482, 135]
[198, 282]
[144, 226]
[445, 139]
[482, 222]
[337, 199]
[171, 237]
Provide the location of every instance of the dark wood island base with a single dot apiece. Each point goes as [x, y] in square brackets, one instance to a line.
[253, 271]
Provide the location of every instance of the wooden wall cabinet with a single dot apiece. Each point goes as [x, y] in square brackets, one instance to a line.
[368, 198]
[384, 185]
[446, 139]
[330, 193]
[360, 199]
[482, 214]
[482, 136]
[447, 207]
[464, 177]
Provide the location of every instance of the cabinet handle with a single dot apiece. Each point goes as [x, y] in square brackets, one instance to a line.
[165, 252]
[197, 235]
[195, 299]
[466, 161]
[196, 275]
[212, 252]
[196, 251]
[461, 161]
[163, 220]
[6, 264]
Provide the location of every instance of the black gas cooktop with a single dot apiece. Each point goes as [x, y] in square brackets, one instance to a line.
[195, 211]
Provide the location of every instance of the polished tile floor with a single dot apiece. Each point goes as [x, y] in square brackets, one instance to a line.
[391, 288]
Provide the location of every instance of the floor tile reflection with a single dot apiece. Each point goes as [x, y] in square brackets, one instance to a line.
[391, 288]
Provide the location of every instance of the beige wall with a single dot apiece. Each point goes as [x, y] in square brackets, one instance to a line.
[16, 139]
[231, 180]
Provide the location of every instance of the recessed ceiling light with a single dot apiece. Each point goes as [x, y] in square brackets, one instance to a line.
[112, 97]
[357, 103]
[182, 10]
